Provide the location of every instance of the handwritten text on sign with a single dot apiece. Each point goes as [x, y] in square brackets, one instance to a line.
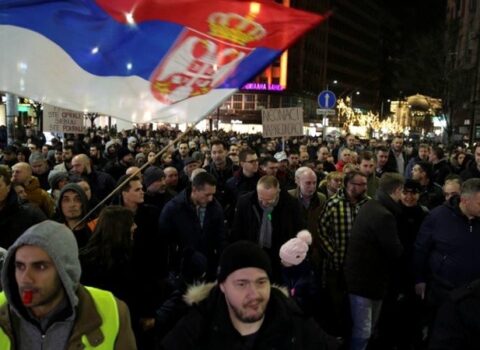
[282, 122]
[57, 119]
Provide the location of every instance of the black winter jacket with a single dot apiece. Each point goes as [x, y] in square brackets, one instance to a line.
[16, 218]
[180, 226]
[457, 326]
[208, 326]
[287, 221]
[373, 248]
[447, 249]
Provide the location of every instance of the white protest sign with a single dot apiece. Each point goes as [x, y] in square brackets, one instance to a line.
[282, 122]
[56, 119]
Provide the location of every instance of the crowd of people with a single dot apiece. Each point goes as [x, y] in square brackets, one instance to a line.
[371, 243]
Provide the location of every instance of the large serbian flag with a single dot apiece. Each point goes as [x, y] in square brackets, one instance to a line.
[141, 60]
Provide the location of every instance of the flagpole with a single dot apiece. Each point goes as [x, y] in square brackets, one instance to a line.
[163, 150]
[11, 111]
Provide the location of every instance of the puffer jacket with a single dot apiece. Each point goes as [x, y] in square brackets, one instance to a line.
[208, 325]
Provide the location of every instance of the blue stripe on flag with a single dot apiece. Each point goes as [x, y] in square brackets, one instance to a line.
[80, 27]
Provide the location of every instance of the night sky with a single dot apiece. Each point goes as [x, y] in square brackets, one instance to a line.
[418, 16]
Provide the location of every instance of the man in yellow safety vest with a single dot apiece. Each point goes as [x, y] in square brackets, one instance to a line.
[43, 306]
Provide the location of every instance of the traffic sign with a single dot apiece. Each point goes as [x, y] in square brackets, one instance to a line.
[325, 111]
[327, 99]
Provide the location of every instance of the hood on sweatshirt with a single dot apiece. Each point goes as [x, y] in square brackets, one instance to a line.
[83, 197]
[58, 241]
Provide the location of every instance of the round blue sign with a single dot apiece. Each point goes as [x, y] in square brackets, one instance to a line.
[327, 99]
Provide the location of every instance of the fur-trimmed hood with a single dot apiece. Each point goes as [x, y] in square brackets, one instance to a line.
[199, 292]
[208, 324]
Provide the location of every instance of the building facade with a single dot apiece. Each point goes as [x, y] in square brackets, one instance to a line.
[463, 67]
[346, 54]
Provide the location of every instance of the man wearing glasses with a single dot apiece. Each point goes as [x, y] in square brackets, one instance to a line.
[335, 224]
[245, 179]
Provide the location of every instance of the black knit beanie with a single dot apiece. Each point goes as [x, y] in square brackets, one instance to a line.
[240, 255]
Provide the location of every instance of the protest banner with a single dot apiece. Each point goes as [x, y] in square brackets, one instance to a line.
[57, 119]
[282, 122]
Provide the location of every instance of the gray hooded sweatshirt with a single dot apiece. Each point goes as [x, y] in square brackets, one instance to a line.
[52, 331]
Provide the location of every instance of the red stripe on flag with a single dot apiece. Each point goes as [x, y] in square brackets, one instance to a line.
[250, 24]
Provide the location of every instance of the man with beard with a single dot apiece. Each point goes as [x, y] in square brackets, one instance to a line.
[431, 194]
[45, 306]
[98, 161]
[423, 151]
[335, 225]
[180, 155]
[66, 165]
[243, 311]
[397, 159]
[101, 183]
[71, 208]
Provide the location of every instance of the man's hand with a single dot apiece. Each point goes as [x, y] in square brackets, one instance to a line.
[420, 290]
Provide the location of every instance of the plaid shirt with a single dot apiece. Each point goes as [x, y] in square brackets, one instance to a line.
[334, 227]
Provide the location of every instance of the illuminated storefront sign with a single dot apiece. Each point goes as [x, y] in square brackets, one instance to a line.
[263, 87]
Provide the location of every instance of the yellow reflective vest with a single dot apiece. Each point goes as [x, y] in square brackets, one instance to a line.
[106, 306]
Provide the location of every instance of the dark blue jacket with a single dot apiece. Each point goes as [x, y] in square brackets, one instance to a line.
[180, 225]
[239, 185]
[447, 249]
